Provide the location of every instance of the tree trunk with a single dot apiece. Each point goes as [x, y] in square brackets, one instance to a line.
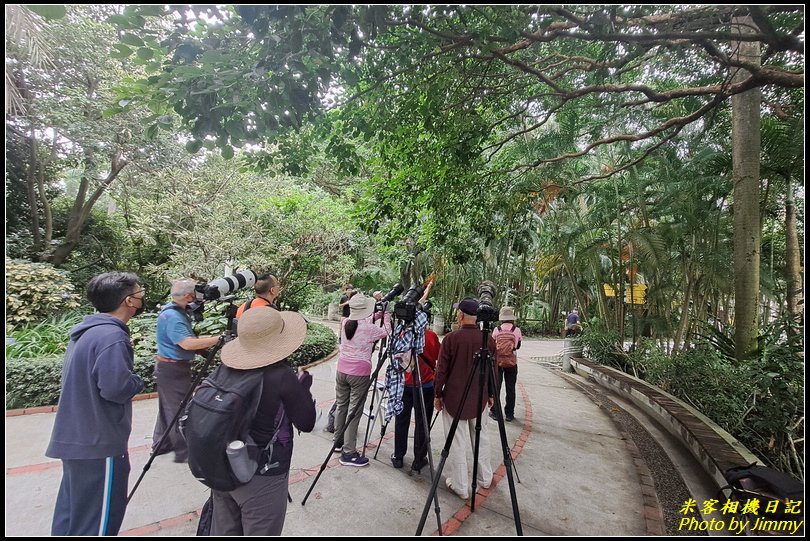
[683, 325]
[793, 256]
[745, 136]
[47, 214]
[81, 208]
[30, 184]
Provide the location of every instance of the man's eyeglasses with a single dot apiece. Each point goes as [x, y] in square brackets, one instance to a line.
[142, 290]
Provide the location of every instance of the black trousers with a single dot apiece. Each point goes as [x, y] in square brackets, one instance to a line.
[510, 375]
[402, 424]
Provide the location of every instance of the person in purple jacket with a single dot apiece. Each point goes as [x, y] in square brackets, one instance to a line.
[266, 338]
[94, 419]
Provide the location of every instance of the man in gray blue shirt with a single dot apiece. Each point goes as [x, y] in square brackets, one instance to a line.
[94, 420]
[176, 346]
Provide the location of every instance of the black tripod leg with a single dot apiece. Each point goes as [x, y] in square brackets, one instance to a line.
[172, 424]
[448, 442]
[380, 359]
[383, 425]
[433, 422]
[499, 413]
[482, 378]
[417, 389]
[507, 453]
[371, 416]
[338, 437]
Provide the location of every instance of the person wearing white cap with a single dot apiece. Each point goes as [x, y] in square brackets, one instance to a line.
[507, 362]
[266, 337]
[358, 335]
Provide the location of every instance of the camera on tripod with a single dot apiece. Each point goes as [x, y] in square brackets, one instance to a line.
[219, 289]
[486, 306]
[405, 308]
[383, 302]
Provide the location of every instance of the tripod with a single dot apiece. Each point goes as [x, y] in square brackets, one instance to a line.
[230, 312]
[372, 418]
[349, 418]
[484, 366]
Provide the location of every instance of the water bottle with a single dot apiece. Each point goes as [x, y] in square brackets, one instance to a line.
[242, 466]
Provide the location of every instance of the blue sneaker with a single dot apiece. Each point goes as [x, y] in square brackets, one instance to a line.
[353, 459]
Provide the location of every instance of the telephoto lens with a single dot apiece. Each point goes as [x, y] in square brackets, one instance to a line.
[405, 309]
[486, 304]
[223, 286]
[396, 290]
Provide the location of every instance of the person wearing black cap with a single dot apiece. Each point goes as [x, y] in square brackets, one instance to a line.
[456, 361]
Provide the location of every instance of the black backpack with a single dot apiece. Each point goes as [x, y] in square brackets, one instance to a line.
[221, 411]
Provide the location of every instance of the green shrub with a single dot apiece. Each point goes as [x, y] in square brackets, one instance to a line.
[33, 382]
[603, 345]
[47, 338]
[37, 381]
[710, 382]
[35, 291]
[319, 343]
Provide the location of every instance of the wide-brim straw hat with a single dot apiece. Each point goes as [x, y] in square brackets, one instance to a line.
[266, 336]
[360, 306]
[507, 314]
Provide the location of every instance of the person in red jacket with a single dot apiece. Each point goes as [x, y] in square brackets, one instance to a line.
[410, 399]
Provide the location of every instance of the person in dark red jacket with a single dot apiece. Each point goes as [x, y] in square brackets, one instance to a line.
[410, 399]
[457, 358]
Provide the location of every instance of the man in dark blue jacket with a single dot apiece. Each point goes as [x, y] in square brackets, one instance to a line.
[94, 419]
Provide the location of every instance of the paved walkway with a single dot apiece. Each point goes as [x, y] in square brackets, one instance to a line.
[578, 475]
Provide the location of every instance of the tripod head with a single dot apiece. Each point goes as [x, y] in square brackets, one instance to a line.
[230, 314]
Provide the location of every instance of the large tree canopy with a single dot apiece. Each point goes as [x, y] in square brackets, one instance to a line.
[247, 73]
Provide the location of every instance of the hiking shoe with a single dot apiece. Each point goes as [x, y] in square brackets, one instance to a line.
[397, 462]
[509, 417]
[353, 459]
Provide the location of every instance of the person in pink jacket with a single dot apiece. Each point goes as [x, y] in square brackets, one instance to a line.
[358, 335]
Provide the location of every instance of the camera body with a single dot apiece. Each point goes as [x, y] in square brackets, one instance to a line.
[383, 303]
[405, 308]
[487, 312]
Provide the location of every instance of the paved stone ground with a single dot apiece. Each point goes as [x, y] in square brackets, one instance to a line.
[577, 473]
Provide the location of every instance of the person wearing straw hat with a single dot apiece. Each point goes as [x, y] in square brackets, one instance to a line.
[267, 337]
[358, 335]
[508, 373]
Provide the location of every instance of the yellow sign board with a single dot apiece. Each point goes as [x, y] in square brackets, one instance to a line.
[633, 293]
